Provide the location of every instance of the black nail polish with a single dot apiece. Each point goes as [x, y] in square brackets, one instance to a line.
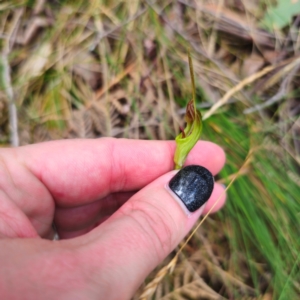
[193, 185]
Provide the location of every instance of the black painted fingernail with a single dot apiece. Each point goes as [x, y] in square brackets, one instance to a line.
[193, 185]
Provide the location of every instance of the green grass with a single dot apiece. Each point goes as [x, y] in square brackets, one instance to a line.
[262, 212]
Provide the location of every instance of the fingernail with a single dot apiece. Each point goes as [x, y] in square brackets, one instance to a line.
[193, 185]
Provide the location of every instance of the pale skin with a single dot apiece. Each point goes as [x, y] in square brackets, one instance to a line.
[114, 215]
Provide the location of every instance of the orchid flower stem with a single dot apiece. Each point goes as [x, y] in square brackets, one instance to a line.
[189, 136]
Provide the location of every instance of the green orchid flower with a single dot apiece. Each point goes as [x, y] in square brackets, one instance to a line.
[188, 137]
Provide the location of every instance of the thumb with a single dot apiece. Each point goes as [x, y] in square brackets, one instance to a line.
[122, 251]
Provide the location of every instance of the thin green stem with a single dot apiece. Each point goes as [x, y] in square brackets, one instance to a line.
[192, 80]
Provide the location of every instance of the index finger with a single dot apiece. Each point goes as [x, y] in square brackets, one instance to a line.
[77, 172]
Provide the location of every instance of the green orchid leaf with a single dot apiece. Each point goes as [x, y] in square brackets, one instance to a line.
[188, 138]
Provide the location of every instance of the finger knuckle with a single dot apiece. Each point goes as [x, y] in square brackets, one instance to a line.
[154, 224]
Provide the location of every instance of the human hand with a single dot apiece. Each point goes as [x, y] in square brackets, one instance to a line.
[79, 184]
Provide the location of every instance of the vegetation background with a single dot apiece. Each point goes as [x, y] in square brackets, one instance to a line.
[86, 69]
